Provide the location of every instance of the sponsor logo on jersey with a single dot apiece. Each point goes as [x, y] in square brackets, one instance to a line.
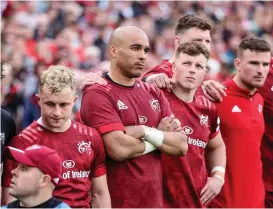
[84, 147]
[271, 88]
[204, 120]
[76, 174]
[155, 105]
[68, 164]
[187, 130]
[142, 119]
[197, 142]
[121, 105]
[236, 109]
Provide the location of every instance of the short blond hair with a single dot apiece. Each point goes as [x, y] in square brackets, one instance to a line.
[56, 78]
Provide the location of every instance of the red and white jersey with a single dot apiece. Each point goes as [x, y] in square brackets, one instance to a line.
[81, 151]
[164, 67]
[242, 128]
[135, 182]
[267, 143]
[185, 177]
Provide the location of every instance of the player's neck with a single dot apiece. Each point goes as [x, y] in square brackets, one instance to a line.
[119, 78]
[65, 126]
[38, 199]
[186, 95]
[242, 85]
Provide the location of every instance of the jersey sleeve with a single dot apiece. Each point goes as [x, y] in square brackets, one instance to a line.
[20, 143]
[157, 70]
[98, 166]
[215, 123]
[99, 111]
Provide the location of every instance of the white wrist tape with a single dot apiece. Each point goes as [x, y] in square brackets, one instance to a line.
[154, 136]
[219, 177]
[149, 147]
[219, 169]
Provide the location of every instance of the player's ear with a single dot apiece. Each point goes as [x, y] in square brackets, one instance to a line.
[113, 51]
[237, 63]
[177, 41]
[38, 98]
[45, 180]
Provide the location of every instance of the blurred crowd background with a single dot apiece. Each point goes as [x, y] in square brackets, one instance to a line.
[36, 34]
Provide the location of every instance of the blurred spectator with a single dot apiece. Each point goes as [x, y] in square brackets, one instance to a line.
[76, 33]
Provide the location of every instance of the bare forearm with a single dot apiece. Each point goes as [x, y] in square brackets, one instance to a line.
[174, 143]
[120, 146]
[216, 157]
[101, 201]
[100, 193]
[135, 131]
[134, 148]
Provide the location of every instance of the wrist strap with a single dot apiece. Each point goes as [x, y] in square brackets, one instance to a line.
[220, 169]
[154, 136]
[149, 147]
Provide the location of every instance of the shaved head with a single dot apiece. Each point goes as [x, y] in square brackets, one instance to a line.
[128, 48]
[119, 34]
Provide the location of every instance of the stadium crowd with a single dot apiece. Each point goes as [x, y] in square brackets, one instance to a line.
[75, 34]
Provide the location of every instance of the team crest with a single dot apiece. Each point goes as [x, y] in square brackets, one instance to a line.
[155, 105]
[84, 147]
[203, 120]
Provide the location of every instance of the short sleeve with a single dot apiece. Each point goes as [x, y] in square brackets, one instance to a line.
[215, 123]
[159, 69]
[98, 166]
[98, 111]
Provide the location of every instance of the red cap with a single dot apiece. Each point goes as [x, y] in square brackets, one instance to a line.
[44, 158]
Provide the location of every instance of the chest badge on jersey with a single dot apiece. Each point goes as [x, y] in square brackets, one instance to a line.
[204, 120]
[84, 147]
[155, 105]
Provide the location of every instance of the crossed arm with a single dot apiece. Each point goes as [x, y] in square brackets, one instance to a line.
[122, 146]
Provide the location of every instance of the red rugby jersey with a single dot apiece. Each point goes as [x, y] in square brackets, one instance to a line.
[185, 177]
[135, 182]
[267, 143]
[164, 67]
[81, 151]
[242, 128]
